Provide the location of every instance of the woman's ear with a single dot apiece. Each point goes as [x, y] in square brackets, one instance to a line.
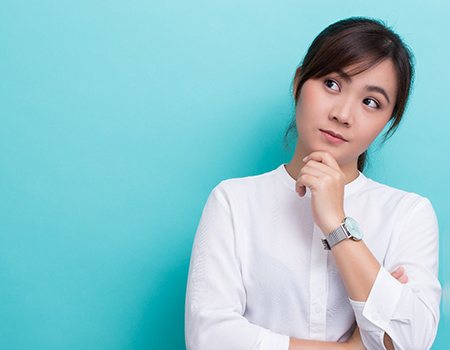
[297, 78]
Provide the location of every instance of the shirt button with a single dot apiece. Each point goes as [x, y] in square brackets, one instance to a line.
[318, 309]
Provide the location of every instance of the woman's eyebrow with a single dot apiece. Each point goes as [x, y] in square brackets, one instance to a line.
[378, 89]
[371, 88]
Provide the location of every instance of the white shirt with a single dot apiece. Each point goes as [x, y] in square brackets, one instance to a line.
[259, 273]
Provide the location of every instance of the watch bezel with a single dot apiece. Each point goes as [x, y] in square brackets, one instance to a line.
[352, 227]
[349, 228]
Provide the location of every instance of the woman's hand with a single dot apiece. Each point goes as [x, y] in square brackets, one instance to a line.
[355, 342]
[323, 176]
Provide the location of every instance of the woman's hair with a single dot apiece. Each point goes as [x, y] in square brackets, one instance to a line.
[362, 42]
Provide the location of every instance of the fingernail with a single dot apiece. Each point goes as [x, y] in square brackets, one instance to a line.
[304, 159]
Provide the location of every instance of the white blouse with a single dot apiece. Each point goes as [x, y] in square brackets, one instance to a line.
[259, 273]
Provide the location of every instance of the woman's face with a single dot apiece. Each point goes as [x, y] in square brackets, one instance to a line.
[355, 108]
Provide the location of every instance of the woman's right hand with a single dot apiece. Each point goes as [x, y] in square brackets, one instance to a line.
[355, 342]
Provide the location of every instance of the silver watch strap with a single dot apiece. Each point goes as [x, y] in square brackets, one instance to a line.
[336, 236]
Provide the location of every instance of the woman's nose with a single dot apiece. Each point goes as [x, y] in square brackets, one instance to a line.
[343, 111]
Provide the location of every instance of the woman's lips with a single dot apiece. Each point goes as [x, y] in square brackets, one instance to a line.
[331, 138]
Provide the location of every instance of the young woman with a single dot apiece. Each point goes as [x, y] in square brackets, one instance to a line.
[314, 254]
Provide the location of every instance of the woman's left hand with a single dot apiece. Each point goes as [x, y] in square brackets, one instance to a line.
[326, 181]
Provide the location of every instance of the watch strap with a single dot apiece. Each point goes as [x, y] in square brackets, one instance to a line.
[336, 236]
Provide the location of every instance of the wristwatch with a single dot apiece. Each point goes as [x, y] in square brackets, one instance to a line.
[347, 229]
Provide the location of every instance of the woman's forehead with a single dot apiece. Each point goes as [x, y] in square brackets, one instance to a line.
[358, 67]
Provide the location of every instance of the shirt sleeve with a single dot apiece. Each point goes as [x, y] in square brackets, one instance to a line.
[215, 294]
[408, 313]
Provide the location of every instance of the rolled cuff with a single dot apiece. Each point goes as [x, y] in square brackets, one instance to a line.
[376, 313]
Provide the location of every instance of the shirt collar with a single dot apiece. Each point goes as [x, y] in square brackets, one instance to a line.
[349, 188]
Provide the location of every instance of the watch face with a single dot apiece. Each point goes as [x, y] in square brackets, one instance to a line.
[353, 227]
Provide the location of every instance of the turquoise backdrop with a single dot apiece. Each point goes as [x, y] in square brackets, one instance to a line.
[119, 117]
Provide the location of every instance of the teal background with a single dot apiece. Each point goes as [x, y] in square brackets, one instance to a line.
[119, 117]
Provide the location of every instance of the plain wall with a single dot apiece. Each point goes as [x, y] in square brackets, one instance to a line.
[119, 117]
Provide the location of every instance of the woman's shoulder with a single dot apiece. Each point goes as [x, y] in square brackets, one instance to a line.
[388, 194]
[249, 184]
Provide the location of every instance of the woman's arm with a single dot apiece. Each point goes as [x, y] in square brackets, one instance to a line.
[408, 313]
[384, 308]
[215, 295]
[355, 342]
[302, 344]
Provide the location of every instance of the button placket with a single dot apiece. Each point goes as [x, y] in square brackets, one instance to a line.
[318, 286]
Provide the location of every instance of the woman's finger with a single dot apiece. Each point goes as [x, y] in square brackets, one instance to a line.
[400, 275]
[398, 271]
[403, 279]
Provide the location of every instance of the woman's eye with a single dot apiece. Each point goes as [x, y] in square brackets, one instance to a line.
[330, 83]
[375, 104]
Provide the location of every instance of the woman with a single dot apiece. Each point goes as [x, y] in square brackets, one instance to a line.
[314, 254]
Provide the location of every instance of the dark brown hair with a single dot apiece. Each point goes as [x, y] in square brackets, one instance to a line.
[362, 42]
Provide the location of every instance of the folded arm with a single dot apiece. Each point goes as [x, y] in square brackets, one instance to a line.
[388, 312]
